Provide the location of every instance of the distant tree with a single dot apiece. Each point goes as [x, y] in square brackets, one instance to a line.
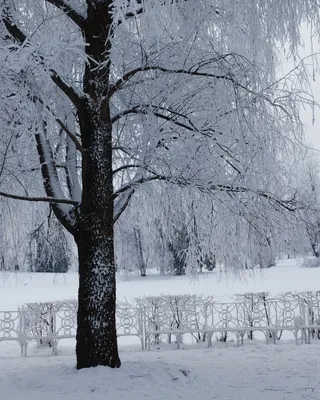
[209, 262]
[308, 190]
[15, 224]
[48, 249]
[141, 256]
[312, 218]
[178, 246]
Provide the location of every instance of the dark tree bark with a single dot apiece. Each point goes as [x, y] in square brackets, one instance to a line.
[96, 335]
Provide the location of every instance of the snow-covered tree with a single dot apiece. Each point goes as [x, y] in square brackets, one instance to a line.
[13, 235]
[307, 180]
[102, 97]
[48, 248]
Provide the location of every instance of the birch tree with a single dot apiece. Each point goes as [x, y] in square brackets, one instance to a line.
[102, 97]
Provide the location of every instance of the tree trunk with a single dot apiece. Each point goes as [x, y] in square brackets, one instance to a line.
[315, 250]
[96, 334]
[142, 263]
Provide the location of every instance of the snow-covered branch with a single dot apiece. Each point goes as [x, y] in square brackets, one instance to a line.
[51, 180]
[71, 167]
[21, 38]
[193, 71]
[290, 204]
[121, 204]
[71, 135]
[71, 12]
[51, 200]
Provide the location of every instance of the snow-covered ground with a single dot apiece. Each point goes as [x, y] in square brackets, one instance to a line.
[257, 372]
[18, 288]
[253, 371]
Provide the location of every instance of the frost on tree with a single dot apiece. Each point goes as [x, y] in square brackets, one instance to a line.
[306, 179]
[48, 249]
[105, 98]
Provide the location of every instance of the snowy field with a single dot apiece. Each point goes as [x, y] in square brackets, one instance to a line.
[18, 288]
[223, 372]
